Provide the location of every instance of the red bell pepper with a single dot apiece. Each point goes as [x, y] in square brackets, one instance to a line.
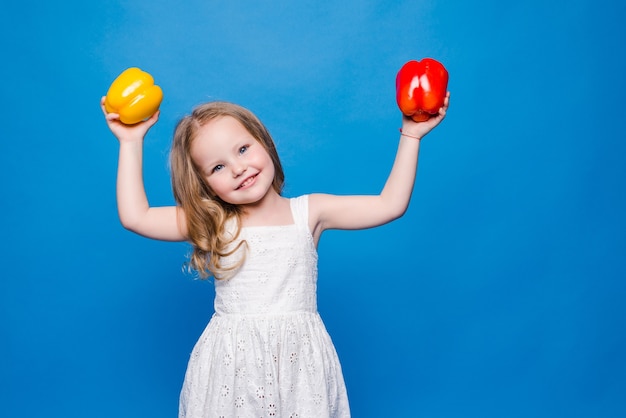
[421, 88]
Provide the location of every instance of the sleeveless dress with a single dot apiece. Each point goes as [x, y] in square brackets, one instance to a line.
[265, 351]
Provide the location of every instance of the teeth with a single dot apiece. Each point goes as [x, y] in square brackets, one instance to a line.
[245, 183]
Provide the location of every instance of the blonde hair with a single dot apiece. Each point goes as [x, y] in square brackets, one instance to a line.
[206, 214]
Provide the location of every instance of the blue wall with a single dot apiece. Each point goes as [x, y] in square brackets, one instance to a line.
[499, 294]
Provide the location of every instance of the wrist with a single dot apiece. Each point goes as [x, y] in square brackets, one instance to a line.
[131, 142]
[409, 134]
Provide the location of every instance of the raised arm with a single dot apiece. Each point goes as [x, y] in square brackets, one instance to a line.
[163, 223]
[360, 212]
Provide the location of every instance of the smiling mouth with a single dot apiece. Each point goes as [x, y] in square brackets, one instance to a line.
[247, 182]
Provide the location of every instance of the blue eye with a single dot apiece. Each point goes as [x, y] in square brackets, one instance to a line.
[243, 149]
[218, 168]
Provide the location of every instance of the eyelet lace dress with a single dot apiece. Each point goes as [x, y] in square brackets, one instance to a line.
[265, 351]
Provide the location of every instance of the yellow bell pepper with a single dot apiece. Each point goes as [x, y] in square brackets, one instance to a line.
[133, 96]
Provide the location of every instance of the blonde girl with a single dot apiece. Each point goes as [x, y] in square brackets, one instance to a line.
[265, 351]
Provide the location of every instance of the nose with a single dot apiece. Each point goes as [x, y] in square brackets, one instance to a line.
[238, 169]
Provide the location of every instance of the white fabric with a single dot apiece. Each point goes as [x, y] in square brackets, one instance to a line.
[266, 352]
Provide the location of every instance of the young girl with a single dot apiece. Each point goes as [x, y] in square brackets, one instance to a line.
[265, 351]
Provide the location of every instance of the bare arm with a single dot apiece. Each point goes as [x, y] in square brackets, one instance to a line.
[163, 223]
[360, 212]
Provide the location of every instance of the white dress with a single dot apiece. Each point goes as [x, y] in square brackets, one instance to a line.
[265, 351]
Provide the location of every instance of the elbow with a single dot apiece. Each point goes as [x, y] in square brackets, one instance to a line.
[394, 211]
[129, 223]
[394, 205]
[128, 226]
[397, 212]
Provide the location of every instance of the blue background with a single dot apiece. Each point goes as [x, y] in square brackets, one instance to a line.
[499, 293]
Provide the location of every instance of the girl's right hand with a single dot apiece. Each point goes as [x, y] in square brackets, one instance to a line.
[128, 133]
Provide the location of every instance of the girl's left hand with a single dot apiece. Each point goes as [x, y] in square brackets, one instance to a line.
[420, 129]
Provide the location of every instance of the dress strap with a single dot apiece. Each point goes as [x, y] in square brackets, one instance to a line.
[300, 211]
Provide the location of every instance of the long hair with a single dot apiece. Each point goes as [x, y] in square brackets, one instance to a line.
[205, 213]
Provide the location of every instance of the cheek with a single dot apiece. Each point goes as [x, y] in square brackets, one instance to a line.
[272, 168]
[269, 167]
[215, 184]
[267, 160]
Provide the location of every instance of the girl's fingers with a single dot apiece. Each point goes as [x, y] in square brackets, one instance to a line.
[153, 119]
[104, 110]
[111, 116]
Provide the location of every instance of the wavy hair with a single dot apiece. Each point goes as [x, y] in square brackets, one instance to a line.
[205, 213]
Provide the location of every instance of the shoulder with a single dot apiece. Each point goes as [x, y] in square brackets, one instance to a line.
[317, 204]
[300, 206]
[300, 200]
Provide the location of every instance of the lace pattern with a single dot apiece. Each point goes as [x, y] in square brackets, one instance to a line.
[266, 352]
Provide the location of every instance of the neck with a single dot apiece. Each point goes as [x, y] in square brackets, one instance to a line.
[267, 211]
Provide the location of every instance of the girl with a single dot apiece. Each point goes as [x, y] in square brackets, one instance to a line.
[265, 351]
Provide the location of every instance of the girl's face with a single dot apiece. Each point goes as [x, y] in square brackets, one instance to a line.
[235, 165]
